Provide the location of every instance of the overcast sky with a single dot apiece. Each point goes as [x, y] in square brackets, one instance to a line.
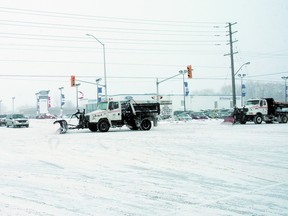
[44, 42]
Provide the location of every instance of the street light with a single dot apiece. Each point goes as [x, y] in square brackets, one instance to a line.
[233, 83]
[285, 93]
[61, 104]
[105, 79]
[13, 98]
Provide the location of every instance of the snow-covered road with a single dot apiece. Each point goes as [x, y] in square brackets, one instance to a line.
[194, 168]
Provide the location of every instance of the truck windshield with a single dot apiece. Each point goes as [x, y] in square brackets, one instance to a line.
[252, 102]
[102, 106]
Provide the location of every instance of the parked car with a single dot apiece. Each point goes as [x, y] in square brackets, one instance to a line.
[198, 115]
[223, 113]
[183, 117]
[46, 116]
[3, 120]
[17, 120]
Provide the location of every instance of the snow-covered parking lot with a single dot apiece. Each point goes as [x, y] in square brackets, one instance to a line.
[193, 168]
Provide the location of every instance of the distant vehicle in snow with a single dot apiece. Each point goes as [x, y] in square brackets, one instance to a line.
[17, 120]
[198, 115]
[183, 117]
[2, 120]
[46, 116]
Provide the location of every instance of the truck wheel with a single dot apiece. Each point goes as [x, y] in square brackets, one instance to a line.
[92, 127]
[103, 126]
[145, 124]
[258, 119]
[284, 119]
[133, 127]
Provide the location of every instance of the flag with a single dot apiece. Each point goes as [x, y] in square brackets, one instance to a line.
[62, 99]
[186, 88]
[80, 95]
[49, 102]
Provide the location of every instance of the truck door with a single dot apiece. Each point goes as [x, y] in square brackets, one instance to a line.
[263, 107]
[114, 111]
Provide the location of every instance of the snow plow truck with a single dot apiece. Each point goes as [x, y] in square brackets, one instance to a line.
[259, 110]
[135, 115]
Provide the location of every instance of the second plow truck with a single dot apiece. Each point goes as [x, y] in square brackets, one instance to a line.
[135, 115]
[263, 109]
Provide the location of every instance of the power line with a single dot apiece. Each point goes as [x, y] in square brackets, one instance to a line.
[106, 29]
[85, 39]
[126, 41]
[269, 74]
[108, 19]
[108, 49]
[93, 77]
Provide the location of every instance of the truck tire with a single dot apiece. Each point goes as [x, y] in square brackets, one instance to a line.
[92, 127]
[133, 127]
[258, 119]
[103, 125]
[284, 119]
[145, 124]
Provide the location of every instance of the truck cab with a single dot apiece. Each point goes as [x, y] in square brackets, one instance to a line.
[257, 106]
[107, 114]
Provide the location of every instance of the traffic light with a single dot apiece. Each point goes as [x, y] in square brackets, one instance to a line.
[73, 81]
[189, 68]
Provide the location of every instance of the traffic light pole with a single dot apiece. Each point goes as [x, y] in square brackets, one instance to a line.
[77, 106]
[158, 82]
[184, 101]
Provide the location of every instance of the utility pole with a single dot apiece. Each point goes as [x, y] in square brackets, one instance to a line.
[232, 59]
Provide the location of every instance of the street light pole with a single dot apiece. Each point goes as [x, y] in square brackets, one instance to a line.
[233, 83]
[13, 98]
[285, 93]
[241, 77]
[61, 105]
[97, 85]
[105, 78]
